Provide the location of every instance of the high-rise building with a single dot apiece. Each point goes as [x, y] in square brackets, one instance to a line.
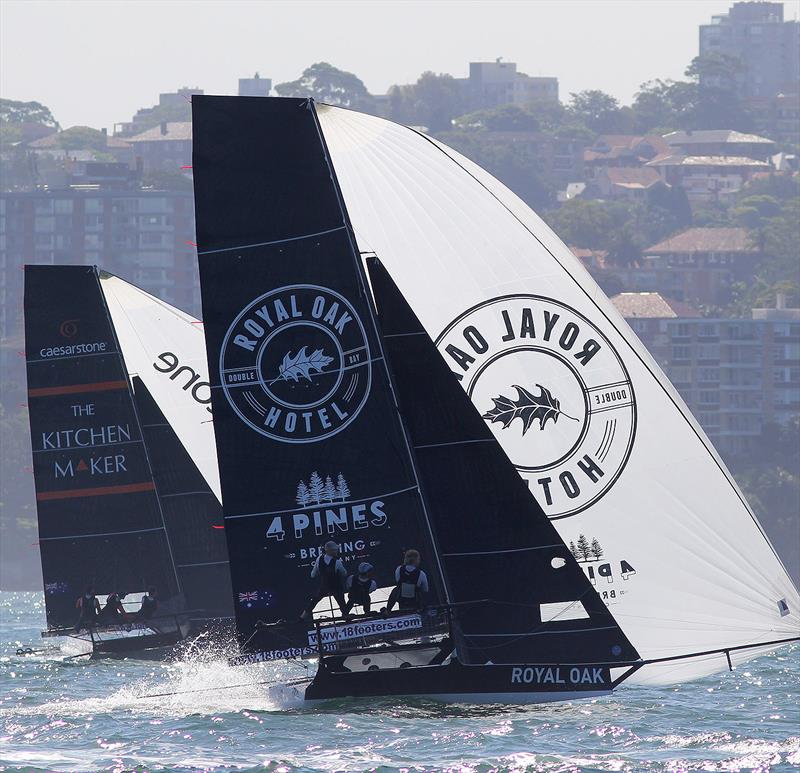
[491, 84]
[736, 375]
[767, 47]
[145, 236]
[255, 86]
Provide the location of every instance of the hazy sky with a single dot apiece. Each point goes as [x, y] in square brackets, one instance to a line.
[95, 62]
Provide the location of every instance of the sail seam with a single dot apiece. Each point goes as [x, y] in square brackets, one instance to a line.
[641, 359]
[186, 494]
[276, 241]
[539, 633]
[455, 443]
[318, 505]
[497, 552]
[203, 563]
[103, 534]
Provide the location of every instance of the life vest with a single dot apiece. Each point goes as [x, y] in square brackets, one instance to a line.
[408, 582]
[149, 606]
[359, 590]
[87, 606]
[327, 574]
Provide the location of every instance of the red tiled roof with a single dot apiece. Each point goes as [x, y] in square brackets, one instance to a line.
[633, 177]
[651, 305]
[706, 240]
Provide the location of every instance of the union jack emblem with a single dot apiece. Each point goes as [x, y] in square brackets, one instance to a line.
[248, 596]
[55, 587]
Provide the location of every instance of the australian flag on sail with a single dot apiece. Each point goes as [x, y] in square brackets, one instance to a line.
[255, 598]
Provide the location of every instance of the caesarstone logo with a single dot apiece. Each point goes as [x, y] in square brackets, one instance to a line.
[295, 364]
[554, 391]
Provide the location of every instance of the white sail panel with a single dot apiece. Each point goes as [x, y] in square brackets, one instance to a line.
[606, 444]
[166, 348]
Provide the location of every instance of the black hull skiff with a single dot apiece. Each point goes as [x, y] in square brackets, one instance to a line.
[493, 451]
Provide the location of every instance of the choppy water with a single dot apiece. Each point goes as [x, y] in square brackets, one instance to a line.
[64, 714]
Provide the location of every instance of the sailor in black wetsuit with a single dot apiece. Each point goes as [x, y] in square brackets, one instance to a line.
[88, 609]
[412, 584]
[113, 612]
[359, 586]
[330, 571]
[149, 605]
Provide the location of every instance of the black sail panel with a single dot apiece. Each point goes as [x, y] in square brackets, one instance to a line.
[496, 543]
[98, 513]
[192, 514]
[309, 442]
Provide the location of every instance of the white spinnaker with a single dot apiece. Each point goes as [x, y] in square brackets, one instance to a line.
[689, 566]
[166, 348]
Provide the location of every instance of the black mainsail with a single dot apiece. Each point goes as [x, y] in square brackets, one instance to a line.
[310, 443]
[100, 521]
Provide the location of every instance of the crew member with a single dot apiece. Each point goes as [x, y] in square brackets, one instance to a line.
[412, 584]
[113, 612]
[330, 571]
[88, 609]
[359, 586]
[149, 604]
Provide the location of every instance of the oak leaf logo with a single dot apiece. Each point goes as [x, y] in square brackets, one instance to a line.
[302, 365]
[527, 407]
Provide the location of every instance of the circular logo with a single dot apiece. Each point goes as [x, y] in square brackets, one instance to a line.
[295, 364]
[554, 391]
[68, 328]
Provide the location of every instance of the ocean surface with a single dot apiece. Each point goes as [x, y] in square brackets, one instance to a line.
[59, 712]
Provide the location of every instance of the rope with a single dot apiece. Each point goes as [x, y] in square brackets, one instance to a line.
[226, 687]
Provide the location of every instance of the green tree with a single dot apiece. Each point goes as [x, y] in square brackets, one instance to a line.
[503, 118]
[328, 84]
[13, 112]
[600, 112]
[589, 223]
[433, 101]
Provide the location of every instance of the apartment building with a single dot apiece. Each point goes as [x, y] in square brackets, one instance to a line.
[144, 236]
[738, 376]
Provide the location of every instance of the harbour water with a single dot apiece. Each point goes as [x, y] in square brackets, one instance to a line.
[61, 713]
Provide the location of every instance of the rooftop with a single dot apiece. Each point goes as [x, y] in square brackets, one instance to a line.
[714, 136]
[706, 240]
[679, 160]
[169, 130]
[652, 306]
[633, 177]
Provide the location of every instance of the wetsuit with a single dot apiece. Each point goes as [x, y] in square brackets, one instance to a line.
[358, 590]
[148, 608]
[88, 611]
[412, 583]
[113, 611]
[331, 576]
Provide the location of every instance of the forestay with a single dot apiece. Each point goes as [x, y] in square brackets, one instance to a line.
[605, 443]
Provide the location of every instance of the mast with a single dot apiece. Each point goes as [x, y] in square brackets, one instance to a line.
[362, 278]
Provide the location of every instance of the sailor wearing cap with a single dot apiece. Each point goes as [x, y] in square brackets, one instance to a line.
[359, 586]
[330, 571]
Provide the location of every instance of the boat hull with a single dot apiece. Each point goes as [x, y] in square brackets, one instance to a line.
[458, 683]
